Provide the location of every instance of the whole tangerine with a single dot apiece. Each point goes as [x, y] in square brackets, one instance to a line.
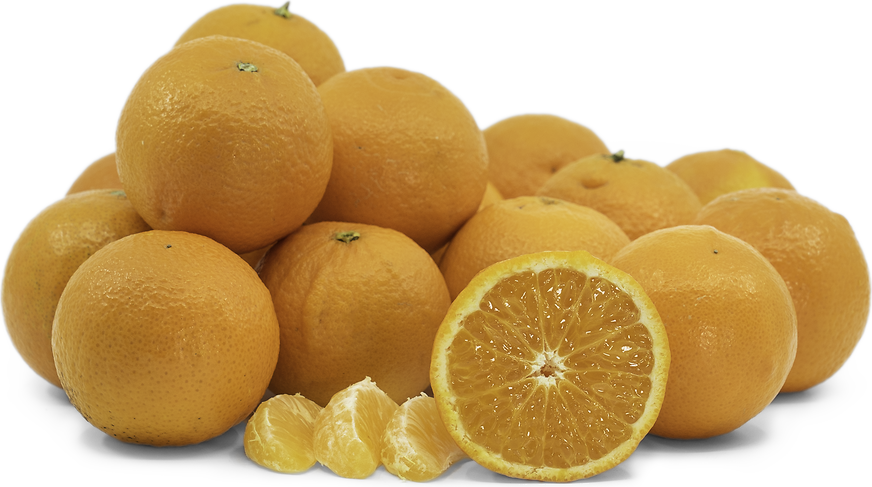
[730, 321]
[816, 252]
[165, 338]
[226, 138]
[279, 28]
[638, 195]
[353, 300]
[407, 155]
[525, 150]
[49, 250]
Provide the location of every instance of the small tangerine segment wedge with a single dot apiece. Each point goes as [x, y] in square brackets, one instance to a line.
[349, 430]
[416, 446]
[550, 366]
[278, 435]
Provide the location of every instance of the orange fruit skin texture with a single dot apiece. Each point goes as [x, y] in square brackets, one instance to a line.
[366, 307]
[818, 255]
[525, 150]
[730, 321]
[713, 173]
[165, 338]
[407, 155]
[241, 157]
[638, 195]
[525, 225]
[46, 254]
[100, 174]
[295, 36]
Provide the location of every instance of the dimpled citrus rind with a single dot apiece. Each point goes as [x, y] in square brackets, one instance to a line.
[165, 338]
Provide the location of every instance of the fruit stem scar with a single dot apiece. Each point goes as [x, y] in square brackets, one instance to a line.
[283, 10]
[247, 67]
[618, 156]
[169, 246]
[716, 251]
[347, 237]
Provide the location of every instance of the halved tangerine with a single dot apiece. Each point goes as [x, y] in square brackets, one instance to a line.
[550, 366]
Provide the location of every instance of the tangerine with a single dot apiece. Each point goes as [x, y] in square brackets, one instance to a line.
[47, 253]
[818, 255]
[407, 155]
[525, 150]
[731, 326]
[165, 338]
[226, 138]
[638, 195]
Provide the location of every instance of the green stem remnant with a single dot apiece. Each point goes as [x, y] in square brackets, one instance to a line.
[618, 156]
[283, 10]
[247, 67]
[347, 237]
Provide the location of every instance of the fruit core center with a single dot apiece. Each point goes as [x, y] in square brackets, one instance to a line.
[549, 366]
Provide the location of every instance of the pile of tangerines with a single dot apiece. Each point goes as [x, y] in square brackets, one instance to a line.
[347, 262]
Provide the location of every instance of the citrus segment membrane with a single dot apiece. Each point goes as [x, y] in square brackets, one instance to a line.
[551, 372]
[279, 434]
[416, 446]
[348, 432]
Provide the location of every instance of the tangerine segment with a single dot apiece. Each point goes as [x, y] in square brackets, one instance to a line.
[348, 432]
[278, 435]
[416, 446]
[550, 366]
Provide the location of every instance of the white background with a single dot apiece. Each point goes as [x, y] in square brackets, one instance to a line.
[787, 82]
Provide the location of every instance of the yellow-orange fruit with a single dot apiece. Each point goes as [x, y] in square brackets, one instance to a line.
[226, 138]
[713, 173]
[730, 321]
[100, 174]
[165, 338]
[275, 27]
[818, 255]
[348, 432]
[550, 366]
[415, 445]
[525, 225]
[525, 150]
[353, 300]
[52, 246]
[279, 434]
[638, 195]
[407, 155]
